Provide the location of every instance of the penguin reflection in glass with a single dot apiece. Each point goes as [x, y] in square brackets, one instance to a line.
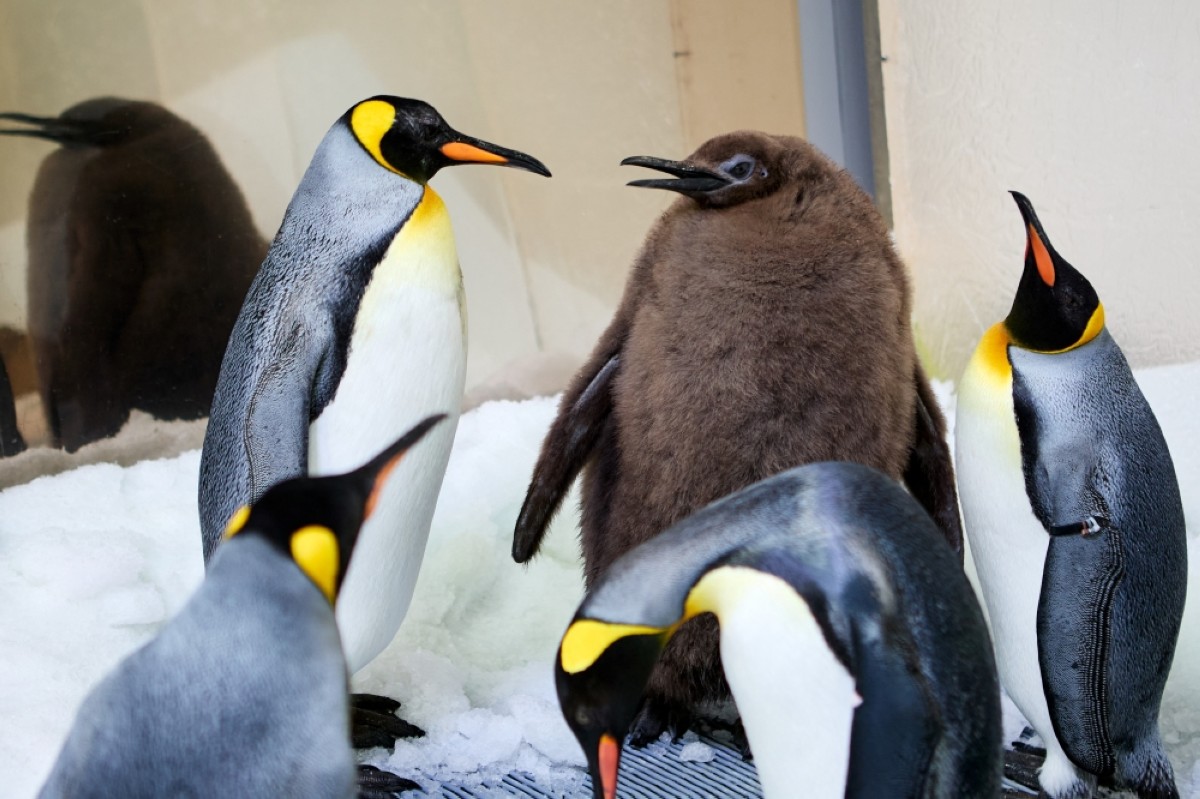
[855, 649]
[141, 248]
[243, 693]
[1076, 529]
[352, 330]
[765, 324]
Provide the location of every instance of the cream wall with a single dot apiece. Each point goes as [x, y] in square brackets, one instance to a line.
[1086, 106]
[577, 83]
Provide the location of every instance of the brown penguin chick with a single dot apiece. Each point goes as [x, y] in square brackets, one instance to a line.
[765, 324]
[141, 249]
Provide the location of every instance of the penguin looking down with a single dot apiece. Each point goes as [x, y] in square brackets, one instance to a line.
[1076, 529]
[856, 651]
[141, 248]
[353, 327]
[765, 324]
[244, 692]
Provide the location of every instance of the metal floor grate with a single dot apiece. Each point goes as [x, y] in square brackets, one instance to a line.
[655, 772]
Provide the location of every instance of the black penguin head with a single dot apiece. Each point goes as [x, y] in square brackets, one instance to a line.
[601, 671]
[1056, 308]
[98, 122]
[315, 520]
[725, 171]
[411, 138]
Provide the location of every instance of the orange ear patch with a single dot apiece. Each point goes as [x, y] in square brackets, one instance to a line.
[1041, 257]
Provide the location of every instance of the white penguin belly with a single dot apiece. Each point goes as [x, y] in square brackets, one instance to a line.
[406, 360]
[1008, 546]
[796, 699]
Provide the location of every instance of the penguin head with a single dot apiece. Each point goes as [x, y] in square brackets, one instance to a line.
[315, 520]
[1055, 309]
[727, 170]
[600, 672]
[410, 137]
[98, 122]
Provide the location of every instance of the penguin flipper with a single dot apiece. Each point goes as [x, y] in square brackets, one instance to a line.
[1081, 577]
[275, 433]
[929, 473]
[581, 417]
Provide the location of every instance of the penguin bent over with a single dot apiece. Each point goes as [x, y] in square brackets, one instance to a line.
[854, 646]
[765, 324]
[244, 692]
[141, 248]
[1076, 529]
[353, 327]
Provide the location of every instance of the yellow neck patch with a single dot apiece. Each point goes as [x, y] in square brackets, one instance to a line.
[991, 356]
[723, 585]
[370, 121]
[315, 550]
[237, 521]
[587, 639]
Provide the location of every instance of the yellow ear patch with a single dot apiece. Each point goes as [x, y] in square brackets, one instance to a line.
[237, 521]
[315, 550]
[587, 639]
[370, 121]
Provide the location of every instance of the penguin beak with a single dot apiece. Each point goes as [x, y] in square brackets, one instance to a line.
[1037, 246]
[690, 179]
[376, 471]
[467, 150]
[60, 131]
[608, 763]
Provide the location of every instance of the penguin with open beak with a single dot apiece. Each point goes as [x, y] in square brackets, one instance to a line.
[244, 692]
[353, 327]
[1076, 529]
[141, 248]
[765, 324]
[854, 646]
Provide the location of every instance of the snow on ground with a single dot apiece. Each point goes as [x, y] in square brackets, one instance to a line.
[93, 561]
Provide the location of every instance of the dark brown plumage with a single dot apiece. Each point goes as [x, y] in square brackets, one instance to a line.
[765, 324]
[141, 249]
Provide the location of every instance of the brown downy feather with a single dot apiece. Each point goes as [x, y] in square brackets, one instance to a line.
[757, 332]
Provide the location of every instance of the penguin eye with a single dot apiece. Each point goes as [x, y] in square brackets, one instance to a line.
[739, 167]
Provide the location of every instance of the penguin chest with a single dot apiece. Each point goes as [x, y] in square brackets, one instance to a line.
[1007, 542]
[796, 699]
[406, 360]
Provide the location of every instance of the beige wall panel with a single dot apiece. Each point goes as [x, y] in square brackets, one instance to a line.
[581, 85]
[738, 66]
[1083, 105]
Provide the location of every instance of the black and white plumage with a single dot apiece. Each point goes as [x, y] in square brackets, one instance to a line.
[853, 645]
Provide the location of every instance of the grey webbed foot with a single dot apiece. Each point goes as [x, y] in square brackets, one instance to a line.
[373, 722]
[374, 783]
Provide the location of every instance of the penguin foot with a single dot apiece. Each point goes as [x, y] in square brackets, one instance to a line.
[656, 717]
[374, 783]
[373, 722]
[1022, 767]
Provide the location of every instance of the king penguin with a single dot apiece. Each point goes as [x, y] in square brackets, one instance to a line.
[353, 328]
[765, 324]
[1076, 529]
[244, 692]
[141, 248]
[855, 649]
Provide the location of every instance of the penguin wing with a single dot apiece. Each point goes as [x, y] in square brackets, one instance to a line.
[581, 417]
[275, 432]
[929, 473]
[1064, 479]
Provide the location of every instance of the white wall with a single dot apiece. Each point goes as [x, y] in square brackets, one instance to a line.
[1087, 106]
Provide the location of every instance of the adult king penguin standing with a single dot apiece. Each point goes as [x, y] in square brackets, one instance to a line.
[353, 330]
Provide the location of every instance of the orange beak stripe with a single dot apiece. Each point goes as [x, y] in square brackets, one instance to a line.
[460, 151]
[1041, 257]
[610, 759]
[380, 479]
